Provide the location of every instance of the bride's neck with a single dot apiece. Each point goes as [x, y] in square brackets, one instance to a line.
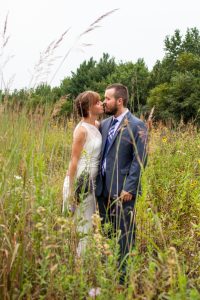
[91, 120]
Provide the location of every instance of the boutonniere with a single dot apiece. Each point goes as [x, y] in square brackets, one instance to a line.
[123, 125]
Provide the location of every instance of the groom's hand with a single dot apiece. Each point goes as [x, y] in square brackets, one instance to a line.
[126, 196]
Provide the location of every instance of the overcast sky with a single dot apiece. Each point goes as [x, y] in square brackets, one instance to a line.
[136, 30]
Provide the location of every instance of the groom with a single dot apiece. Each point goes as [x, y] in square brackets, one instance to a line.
[123, 156]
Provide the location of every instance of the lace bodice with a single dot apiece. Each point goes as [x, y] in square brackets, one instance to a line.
[90, 155]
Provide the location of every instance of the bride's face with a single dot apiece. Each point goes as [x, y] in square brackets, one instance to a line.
[97, 108]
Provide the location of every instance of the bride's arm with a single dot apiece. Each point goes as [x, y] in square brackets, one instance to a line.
[77, 147]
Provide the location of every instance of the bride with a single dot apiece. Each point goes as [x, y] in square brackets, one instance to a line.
[85, 155]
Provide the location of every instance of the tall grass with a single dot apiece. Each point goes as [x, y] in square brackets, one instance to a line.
[38, 257]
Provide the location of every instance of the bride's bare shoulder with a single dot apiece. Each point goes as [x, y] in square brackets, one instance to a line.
[80, 132]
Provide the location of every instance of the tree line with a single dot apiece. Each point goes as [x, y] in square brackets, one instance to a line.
[172, 86]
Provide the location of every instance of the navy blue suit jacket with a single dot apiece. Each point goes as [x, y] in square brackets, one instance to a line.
[125, 157]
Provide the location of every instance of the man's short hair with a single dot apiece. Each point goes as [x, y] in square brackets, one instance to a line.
[121, 91]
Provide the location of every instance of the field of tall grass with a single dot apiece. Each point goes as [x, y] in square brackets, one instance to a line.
[38, 244]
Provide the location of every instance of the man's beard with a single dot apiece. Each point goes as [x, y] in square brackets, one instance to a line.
[112, 111]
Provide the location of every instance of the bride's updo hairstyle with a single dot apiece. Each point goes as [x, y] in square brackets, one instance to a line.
[84, 101]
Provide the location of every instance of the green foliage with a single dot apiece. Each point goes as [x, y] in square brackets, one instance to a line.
[180, 98]
[176, 45]
[175, 81]
[172, 86]
[188, 61]
[96, 76]
[161, 72]
[41, 96]
[38, 258]
[159, 98]
[89, 76]
[136, 78]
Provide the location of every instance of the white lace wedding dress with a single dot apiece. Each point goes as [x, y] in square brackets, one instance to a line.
[89, 161]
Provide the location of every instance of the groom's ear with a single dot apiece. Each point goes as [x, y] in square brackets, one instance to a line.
[120, 101]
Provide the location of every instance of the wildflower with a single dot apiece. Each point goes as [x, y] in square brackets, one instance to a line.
[70, 124]
[199, 161]
[17, 177]
[72, 208]
[94, 292]
[106, 249]
[96, 221]
[126, 122]
[180, 152]
[171, 261]
[133, 253]
[61, 220]
[84, 152]
[123, 125]
[106, 246]
[53, 268]
[108, 253]
[164, 140]
[98, 237]
[40, 209]
[193, 183]
[39, 226]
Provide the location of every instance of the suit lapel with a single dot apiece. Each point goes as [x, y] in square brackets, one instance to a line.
[117, 131]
